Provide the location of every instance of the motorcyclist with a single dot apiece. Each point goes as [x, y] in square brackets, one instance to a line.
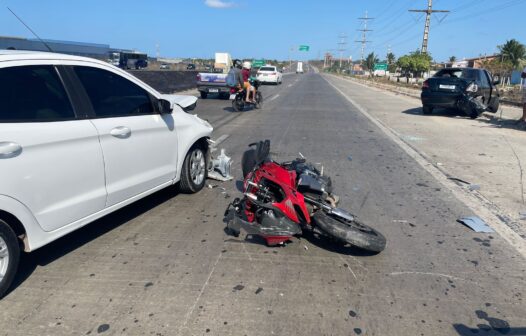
[239, 76]
[251, 91]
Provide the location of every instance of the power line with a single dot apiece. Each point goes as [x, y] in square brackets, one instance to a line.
[428, 12]
[364, 31]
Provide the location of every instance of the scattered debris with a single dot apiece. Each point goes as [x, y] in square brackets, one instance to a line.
[440, 164]
[349, 158]
[476, 224]
[238, 288]
[458, 180]
[220, 167]
[259, 290]
[305, 247]
[102, 328]
[212, 186]
[522, 215]
[400, 221]
[473, 187]
[281, 294]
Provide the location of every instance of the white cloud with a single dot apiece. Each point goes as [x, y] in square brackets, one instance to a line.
[218, 4]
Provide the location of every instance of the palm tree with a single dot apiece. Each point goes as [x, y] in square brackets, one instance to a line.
[391, 58]
[370, 61]
[452, 59]
[513, 51]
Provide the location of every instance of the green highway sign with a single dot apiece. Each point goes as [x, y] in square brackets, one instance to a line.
[380, 66]
[303, 48]
[258, 63]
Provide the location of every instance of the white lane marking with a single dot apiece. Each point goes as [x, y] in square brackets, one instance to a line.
[477, 203]
[221, 139]
[276, 96]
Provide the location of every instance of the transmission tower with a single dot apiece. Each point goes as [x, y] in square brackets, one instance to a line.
[342, 43]
[428, 12]
[364, 31]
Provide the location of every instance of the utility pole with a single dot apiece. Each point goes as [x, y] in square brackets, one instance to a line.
[364, 31]
[428, 12]
[341, 46]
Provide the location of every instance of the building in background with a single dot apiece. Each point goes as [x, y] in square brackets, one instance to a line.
[94, 50]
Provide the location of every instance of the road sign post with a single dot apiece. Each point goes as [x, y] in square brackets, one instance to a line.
[303, 48]
[380, 66]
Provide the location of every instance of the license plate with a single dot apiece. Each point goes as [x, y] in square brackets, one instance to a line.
[447, 87]
[213, 90]
[265, 74]
[232, 96]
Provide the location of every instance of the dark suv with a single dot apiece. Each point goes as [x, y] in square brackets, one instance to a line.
[469, 90]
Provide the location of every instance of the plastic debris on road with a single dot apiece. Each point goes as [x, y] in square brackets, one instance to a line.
[476, 224]
[220, 167]
[473, 187]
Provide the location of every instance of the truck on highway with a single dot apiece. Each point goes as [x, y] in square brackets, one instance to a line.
[215, 81]
[299, 68]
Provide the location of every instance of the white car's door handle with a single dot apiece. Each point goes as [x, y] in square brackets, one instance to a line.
[9, 149]
[121, 132]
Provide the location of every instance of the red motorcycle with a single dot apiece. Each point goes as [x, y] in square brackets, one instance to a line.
[283, 199]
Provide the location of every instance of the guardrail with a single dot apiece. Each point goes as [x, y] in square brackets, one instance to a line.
[167, 81]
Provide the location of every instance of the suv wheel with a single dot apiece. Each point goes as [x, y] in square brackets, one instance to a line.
[204, 94]
[427, 109]
[194, 171]
[9, 256]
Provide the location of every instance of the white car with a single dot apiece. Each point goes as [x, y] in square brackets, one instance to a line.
[80, 138]
[269, 74]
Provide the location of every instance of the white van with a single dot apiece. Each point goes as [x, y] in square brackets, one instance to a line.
[299, 69]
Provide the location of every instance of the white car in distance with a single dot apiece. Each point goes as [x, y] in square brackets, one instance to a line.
[269, 74]
[79, 139]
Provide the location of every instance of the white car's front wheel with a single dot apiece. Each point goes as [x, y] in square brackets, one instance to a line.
[9, 256]
[194, 170]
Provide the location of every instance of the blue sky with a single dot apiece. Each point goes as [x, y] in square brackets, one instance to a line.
[269, 29]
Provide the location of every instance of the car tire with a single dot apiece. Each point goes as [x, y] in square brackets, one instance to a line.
[194, 171]
[427, 109]
[9, 256]
[203, 94]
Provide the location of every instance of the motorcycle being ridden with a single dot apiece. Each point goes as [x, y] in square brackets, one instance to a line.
[238, 96]
[283, 199]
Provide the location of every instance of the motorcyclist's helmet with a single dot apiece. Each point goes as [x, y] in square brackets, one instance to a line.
[247, 65]
[237, 63]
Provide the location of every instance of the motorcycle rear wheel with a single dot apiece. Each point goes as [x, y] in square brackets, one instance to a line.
[351, 232]
[238, 105]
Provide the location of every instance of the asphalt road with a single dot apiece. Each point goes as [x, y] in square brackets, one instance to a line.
[164, 266]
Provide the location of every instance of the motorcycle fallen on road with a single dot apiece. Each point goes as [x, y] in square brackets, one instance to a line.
[238, 97]
[281, 200]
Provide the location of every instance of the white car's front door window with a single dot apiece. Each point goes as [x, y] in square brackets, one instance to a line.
[139, 144]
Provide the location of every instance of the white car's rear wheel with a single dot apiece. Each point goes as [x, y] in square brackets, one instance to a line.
[9, 256]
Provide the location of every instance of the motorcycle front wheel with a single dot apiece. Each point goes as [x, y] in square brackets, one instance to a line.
[259, 100]
[351, 232]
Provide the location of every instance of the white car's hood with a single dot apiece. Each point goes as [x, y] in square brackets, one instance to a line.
[185, 101]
